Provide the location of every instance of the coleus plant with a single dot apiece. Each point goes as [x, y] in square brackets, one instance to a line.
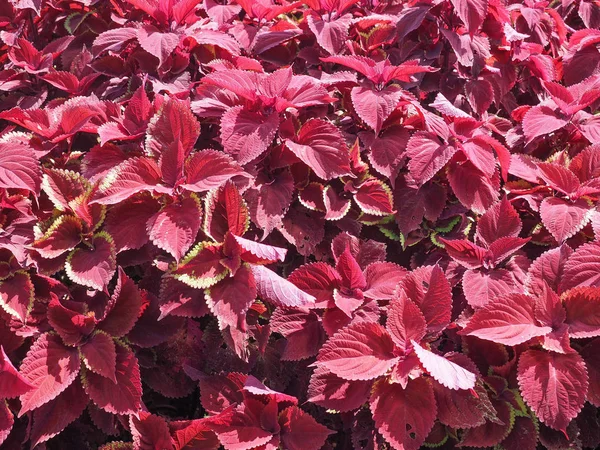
[300, 225]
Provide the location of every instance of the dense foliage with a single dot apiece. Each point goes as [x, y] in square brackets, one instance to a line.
[301, 225]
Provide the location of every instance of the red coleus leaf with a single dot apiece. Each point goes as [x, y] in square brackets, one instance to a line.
[247, 134]
[128, 178]
[123, 308]
[491, 432]
[582, 313]
[209, 169]
[201, 267]
[122, 397]
[332, 392]
[443, 370]
[230, 298]
[50, 367]
[564, 218]
[471, 12]
[548, 269]
[405, 322]
[64, 186]
[509, 320]
[150, 432]
[241, 428]
[375, 197]
[225, 211]
[100, 355]
[541, 120]
[300, 431]
[12, 383]
[6, 422]
[156, 43]
[17, 295]
[303, 332]
[429, 289]
[93, 266]
[321, 147]
[219, 392]
[553, 385]
[53, 417]
[125, 219]
[193, 435]
[361, 351]
[559, 178]
[381, 279]
[62, 236]
[582, 268]
[174, 227]
[501, 220]
[275, 289]
[404, 416]
[174, 122]
[19, 168]
[375, 106]
[70, 325]
[427, 156]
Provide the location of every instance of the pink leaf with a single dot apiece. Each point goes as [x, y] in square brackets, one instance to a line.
[405, 322]
[53, 417]
[509, 320]
[375, 106]
[404, 416]
[548, 268]
[50, 368]
[382, 279]
[541, 120]
[63, 235]
[361, 351]
[230, 298]
[17, 295]
[12, 383]
[150, 432]
[429, 289]
[465, 253]
[193, 435]
[275, 289]
[209, 169]
[564, 218]
[123, 308]
[173, 123]
[303, 332]
[261, 252]
[70, 325]
[299, 431]
[583, 312]
[443, 370]
[481, 287]
[19, 168]
[174, 228]
[559, 178]
[582, 268]
[128, 178]
[427, 156]
[156, 43]
[471, 12]
[480, 93]
[500, 220]
[331, 35]
[375, 197]
[553, 385]
[6, 421]
[100, 355]
[93, 266]
[321, 147]
[332, 392]
[247, 134]
[124, 396]
[473, 188]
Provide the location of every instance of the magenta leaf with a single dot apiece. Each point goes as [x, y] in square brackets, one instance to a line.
[553, 385]
[50, 368]
[362, 351]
